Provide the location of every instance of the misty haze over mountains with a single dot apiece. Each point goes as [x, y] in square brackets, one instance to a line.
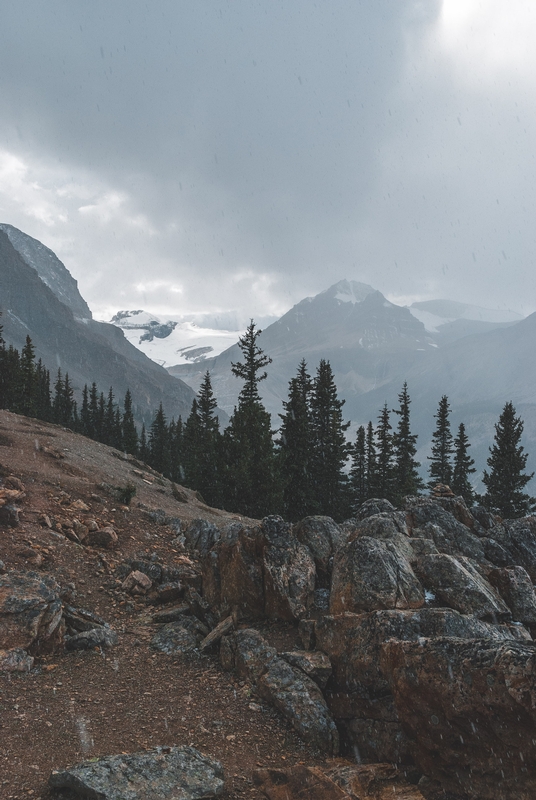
[479, 358]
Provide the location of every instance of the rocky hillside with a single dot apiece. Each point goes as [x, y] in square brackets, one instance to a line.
[165, 642]
[46, 308]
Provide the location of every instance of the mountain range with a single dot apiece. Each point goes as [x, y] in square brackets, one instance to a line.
[39, 297]
[479, 358]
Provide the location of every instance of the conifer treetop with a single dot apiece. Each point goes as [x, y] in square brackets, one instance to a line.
[254, 361]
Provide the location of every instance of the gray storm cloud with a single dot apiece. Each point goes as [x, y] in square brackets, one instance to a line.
[188, 156]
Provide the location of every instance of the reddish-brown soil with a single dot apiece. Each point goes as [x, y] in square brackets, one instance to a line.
[82, 705]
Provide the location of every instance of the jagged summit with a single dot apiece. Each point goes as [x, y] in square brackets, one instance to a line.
[50, 269]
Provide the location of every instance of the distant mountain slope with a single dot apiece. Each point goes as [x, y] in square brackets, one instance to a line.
[368, 341]
[479, 374]
[87, 350]
[449, 320]
[50, 269]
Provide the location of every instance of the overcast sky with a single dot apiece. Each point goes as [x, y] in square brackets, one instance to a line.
[194, 155]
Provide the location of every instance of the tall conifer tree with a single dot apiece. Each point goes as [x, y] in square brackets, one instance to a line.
[128, 427]
[250, 479]
[463, 467]
[358, 471]
[385, 466]
[406, 468]
[371, 463]
[330, 449]
[295, 443]
[158, 443]
[507, 461]
[440, 469]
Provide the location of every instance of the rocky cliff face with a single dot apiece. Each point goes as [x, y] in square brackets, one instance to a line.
[50, 269]
[88, 350]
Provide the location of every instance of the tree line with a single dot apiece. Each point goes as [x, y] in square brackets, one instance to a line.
[305, 467]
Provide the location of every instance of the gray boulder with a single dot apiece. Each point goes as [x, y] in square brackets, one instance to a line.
[260, 572]
[15, 660]
[314, 663]
[323, 537]
[516, 589]
[164, 773]
[449, 534]
[371, 574]
[376, 505]
[285, 687]
[468, 708]
[181, 636]
[201, 535]
[103, 636]
[300, 700]
[30, 612]
[457, 584]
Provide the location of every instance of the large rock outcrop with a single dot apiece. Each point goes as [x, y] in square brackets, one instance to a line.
[286, 687]
[260, 572]
[370, 574]
[469, 710]
[323, 537]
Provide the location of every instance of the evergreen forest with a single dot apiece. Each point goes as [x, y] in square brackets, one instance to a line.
[306, 466]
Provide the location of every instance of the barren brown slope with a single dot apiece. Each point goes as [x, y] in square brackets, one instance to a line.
[80, 705]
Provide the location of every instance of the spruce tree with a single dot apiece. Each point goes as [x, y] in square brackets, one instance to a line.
[85, 421]
[507, 461]
[192, 446]
[93, 419]
[44, 406]
[58, 406]
[158, 443]
[463, 467]
[100, 433]
[128, 428]
[358, 471]
[371, 463]
[329, 448]
[440, 469]
[295, 443]
[176, 468]
[117, 430]
[407, 480]
[385, 466]
[109, 420]
[143, 449]
[254, 360]
[250, 479]
[208, 466]
[27, 403]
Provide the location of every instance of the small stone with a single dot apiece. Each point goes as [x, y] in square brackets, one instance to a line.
[106, 537]
[16, 660]
[136, 582]
[87, 640]
[79, 505]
